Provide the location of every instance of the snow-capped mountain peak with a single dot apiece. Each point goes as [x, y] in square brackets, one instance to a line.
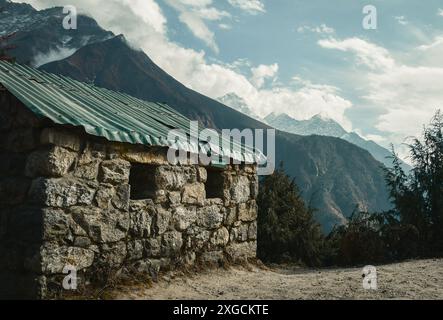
[236, 102]
[317, 125]
[322, 125]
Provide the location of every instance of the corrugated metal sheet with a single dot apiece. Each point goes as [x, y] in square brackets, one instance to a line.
[112, 115]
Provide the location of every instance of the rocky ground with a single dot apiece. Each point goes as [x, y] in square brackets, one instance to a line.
[408, 280]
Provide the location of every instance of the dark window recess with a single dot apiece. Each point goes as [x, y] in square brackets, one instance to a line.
[215, 184]
[141, 179]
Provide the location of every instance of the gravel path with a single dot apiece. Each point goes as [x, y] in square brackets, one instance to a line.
[410, 280]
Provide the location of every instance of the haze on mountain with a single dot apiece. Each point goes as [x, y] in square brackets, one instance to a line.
[335, 176]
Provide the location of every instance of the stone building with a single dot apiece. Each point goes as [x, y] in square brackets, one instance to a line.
[85, 183]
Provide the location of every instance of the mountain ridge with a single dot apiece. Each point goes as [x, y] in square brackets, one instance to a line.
[320, 125]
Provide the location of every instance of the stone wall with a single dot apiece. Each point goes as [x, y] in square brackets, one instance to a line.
[68, 198]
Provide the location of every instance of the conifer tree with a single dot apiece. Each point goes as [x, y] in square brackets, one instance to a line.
[286, 227]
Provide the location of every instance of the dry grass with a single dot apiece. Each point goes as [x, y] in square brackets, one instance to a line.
[409, 280]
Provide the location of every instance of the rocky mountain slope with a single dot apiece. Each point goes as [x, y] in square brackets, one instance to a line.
[40, 36]
[333, 173]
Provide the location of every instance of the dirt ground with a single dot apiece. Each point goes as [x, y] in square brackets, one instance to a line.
[409, 280]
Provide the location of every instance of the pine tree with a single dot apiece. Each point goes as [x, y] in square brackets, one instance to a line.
[418, 196]
[286, 227]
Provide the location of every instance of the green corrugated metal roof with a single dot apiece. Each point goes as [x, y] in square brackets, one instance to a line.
[113, 115]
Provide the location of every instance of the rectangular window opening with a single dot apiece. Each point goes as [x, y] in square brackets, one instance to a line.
[142, 181]
[215, 184]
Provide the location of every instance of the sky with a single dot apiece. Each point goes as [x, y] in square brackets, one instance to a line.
[298, 57]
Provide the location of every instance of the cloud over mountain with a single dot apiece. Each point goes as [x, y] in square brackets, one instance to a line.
[407, 94]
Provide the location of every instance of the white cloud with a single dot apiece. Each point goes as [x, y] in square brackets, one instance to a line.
[249, 6]
[321, 29]
[149, 11]
[53, 55]
[376, 138]
[199, 29]
[440, 12]
[144, 12]
[407, 96]
[430, 54]
[224, 26]
[194, 13]
[263, 72]
[401, 20]
[438, 41]
[300, 82]
[367, 53]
